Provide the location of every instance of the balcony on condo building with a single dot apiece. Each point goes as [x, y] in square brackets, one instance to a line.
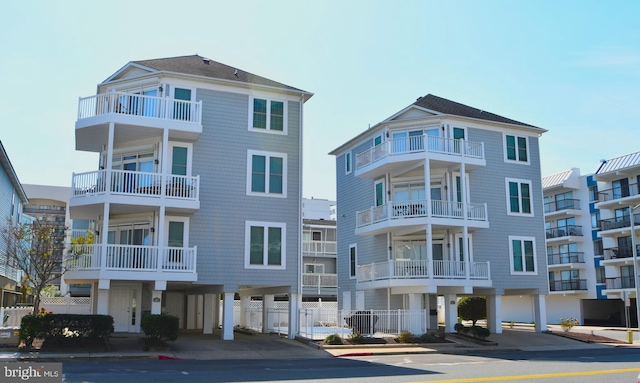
[130, 262]
[568, 286]
[406, 273]
[320, 284]
[562, 207]
[620, 195]
[401, 152]
[572, 259]
[614, 226]
[569, 233]
[405, 214]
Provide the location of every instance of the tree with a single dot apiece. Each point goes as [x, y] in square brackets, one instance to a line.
[472, 308]
[36, 249]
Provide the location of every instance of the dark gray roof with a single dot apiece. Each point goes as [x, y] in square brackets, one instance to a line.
[442, 105]
[201, 66]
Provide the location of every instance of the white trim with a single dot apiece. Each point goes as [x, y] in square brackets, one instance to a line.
[172, 218]
[456, 246]
[508, 196]
[265, 255]
[268, 155]
[173, 91]
[535, 256]
[353, 246]
[504, 149]
[268, 130]
[189, 147]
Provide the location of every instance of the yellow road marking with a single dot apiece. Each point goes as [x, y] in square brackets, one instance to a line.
[535, 376]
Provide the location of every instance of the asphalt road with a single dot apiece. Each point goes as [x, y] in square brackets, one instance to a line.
[584, 366]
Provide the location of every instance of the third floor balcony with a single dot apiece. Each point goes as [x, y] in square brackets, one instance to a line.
[625, 195]
[397, 153]
[562, 206]
[134, 114]
[378, 219]
[565, 258]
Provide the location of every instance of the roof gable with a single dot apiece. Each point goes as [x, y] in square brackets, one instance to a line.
[620, 163]
[444, 106]
[196, 65]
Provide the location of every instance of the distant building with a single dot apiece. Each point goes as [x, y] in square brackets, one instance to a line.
[319, 250]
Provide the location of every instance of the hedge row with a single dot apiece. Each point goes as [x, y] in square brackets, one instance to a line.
[65, 327]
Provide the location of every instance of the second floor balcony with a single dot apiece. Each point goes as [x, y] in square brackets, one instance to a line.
[125, 262]
[568, 285]
[397, 152]
[92, 187]
[621, 222]
[564, 231]
[624, 252]
[319, 248]
[407, 212]
[565, 258]
[620, 283]
[561, 206]
[421, 270]
[316, 283]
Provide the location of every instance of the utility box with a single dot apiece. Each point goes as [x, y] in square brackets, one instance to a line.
[9, 336]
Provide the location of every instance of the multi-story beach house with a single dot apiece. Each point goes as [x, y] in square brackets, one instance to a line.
[12, 200]
[319, 250]
[441, 200]
[196, 193]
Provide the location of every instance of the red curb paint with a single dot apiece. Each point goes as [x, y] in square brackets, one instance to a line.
[164, 357]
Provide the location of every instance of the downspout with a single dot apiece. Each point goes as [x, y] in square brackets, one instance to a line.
[299, 276]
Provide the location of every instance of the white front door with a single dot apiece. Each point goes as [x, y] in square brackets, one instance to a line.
[120, 308]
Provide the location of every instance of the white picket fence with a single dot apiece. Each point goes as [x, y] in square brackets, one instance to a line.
[67, 305]
[12, 316]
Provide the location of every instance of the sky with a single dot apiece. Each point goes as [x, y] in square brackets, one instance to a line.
[570, 67]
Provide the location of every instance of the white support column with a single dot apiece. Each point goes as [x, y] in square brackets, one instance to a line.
[415, 301]
[245, 304]
[216, 311]
[267, 305]
[346, 301]
[494, 313]
[295, 302]
[227, 316]
[103, 302]
[450, 312]
[209, 309]
[540, 313]
[156, 301]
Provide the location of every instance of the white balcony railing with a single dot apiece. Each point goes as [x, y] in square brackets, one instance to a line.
[411, 269]
[418, 144]
[319, 247]
[319, 280]
[131, 258]
[140, 105]
[135, 183]
[418, 208]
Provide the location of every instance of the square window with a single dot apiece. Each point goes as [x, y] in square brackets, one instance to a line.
[267, 174]
[268, 115]
[265, 245]
[516, 149]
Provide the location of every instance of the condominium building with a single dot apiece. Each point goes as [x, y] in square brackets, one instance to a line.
[196, 192]
[441, 200]
[319, 250]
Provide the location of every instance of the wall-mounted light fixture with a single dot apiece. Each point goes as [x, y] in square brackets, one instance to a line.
[96, 232]
[387, 134]
[153, 229]
[156, 161]
[160, 88]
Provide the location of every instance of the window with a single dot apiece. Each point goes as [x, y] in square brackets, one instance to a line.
[519, 197]
[595, 220]
[593, 193]
[598, 249]
[267, 174]
[316, 235]
[268, 115]
[265, 245]
[313, 268]
[523, 255]
[347, 163]
[600, 275]
[516, 149]
[353, 260]
[379, 192]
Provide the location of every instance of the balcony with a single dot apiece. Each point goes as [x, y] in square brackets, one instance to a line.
[628, 194]
[124, 262]
[135, 188]
[618, 222]
[568, 285]
[322, 284]
[561, 206]
[407, 213]
[619, 253]
[319, 248]
[619, 283]
[398, 153]
[565, 258]
[134, 112]
[564, 231]
[419, 271]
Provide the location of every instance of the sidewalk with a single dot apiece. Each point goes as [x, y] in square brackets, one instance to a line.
[196, 346]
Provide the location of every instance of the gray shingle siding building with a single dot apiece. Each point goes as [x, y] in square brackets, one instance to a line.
[401, 245]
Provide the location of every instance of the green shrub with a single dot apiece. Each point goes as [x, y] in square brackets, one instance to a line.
[472, 308]
[480, 332]
[568, 323]
[160, 326]
[459, 327]
[405, 337]
[427, 337]
[356, 337]
[65, 328]
[333, 339]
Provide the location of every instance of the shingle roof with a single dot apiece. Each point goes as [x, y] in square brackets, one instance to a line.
[556, 179]
[445, 106]
[11, 173]
[619, 163]
[201, 66]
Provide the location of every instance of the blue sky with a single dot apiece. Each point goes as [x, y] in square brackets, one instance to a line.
[571, 67]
